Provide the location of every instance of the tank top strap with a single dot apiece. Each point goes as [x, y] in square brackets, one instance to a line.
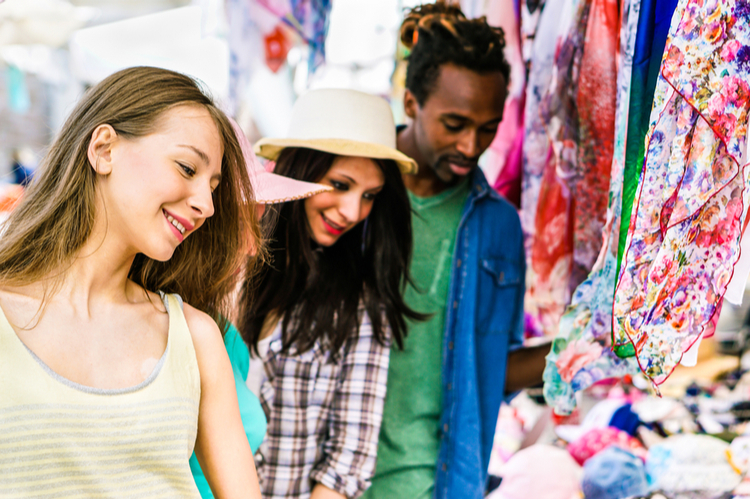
[181, 347]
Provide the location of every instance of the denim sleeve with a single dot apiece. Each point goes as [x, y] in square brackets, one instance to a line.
[517, 331]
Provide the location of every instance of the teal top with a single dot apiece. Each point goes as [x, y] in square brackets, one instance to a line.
[253, 418]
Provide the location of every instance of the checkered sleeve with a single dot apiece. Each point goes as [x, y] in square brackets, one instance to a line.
[354, 424]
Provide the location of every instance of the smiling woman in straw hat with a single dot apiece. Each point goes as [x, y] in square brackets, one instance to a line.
[321, 318]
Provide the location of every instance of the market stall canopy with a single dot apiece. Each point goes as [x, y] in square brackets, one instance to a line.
[40, 22]
[170, 39]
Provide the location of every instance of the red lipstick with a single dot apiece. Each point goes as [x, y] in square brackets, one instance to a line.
[334, 231]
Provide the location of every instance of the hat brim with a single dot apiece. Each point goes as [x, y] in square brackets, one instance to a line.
[270, 148]
[272, 188]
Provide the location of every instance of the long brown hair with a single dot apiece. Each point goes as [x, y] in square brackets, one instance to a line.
[56, 215]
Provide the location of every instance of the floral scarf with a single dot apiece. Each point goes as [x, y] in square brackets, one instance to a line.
[685, 230]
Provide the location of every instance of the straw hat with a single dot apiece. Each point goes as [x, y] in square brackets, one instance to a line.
[342, 122]
[268, 187]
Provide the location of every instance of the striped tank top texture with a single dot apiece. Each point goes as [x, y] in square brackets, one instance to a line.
[59, 439]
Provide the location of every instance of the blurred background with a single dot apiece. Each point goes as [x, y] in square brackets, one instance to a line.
[254, 56]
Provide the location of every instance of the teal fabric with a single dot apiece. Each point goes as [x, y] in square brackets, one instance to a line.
[251, 411]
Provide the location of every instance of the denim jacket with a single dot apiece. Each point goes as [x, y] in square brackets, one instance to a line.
[484, 322]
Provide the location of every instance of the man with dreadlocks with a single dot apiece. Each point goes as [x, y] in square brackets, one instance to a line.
[445, 387]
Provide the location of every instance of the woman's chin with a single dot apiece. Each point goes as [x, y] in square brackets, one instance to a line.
[325, 240]
[160, 255]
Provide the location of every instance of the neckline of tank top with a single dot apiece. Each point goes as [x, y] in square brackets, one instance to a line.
[110, 392]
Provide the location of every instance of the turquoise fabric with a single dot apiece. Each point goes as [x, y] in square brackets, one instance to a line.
[251, 411]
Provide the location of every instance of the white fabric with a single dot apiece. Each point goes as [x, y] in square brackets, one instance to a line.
[738, 283]
[690, 357]
[256, 373]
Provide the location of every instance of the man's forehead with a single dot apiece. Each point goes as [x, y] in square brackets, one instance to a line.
[461, 91]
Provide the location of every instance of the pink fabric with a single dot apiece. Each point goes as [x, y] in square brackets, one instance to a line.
[596, 440]
[508, 182]
[541, 471]
[504, 166]
[578, 354]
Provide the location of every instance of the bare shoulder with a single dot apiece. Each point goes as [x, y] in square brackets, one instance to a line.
[203, 328]
[207, 339]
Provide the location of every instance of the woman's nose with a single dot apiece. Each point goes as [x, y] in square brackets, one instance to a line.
[202, 201]
[349, 207]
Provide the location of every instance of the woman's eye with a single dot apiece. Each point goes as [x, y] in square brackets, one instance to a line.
[370, 196]
[190, 171]
[339, 185]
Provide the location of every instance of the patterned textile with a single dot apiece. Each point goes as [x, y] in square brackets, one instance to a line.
[324, 414]
[530, 13]
[536, 143]
[653, 29]
[597, 103]
[579, 115]
[503, 159]
[684, 236]
[309, 18]
[588, 321]
[551, 253]
[597, 440]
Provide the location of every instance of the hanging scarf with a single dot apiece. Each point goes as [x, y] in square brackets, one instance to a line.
[579, 355]
[684, 235]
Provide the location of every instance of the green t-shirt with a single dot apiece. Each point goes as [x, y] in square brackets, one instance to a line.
[410, 433]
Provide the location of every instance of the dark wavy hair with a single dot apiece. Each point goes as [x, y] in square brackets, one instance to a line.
[439, 34]
[319, 289]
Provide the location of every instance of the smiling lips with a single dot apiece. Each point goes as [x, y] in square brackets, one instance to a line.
[331, 227]
[178, 225]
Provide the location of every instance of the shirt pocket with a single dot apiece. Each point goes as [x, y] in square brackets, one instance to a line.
[498, 290]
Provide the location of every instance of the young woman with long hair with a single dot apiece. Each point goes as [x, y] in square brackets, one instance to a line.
[108, 380]
[324, 310]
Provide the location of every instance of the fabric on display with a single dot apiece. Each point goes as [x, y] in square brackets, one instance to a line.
[691, 463]
[684, 236]
[530, 13]
[586, 325]
[503, 157]
[536, 145]
[652, 31]
[541, 471]
[312, 24]
[551, 257]
[579, 116]
[614, 473]
[653, 28]
[737, 285]
[597, 103]
[598, 439]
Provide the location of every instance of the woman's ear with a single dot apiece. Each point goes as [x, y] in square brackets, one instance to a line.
[100, 149]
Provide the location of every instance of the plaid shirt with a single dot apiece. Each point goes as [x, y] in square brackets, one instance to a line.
[323, 416]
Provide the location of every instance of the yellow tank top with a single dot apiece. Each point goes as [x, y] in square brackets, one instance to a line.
[59, 439]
